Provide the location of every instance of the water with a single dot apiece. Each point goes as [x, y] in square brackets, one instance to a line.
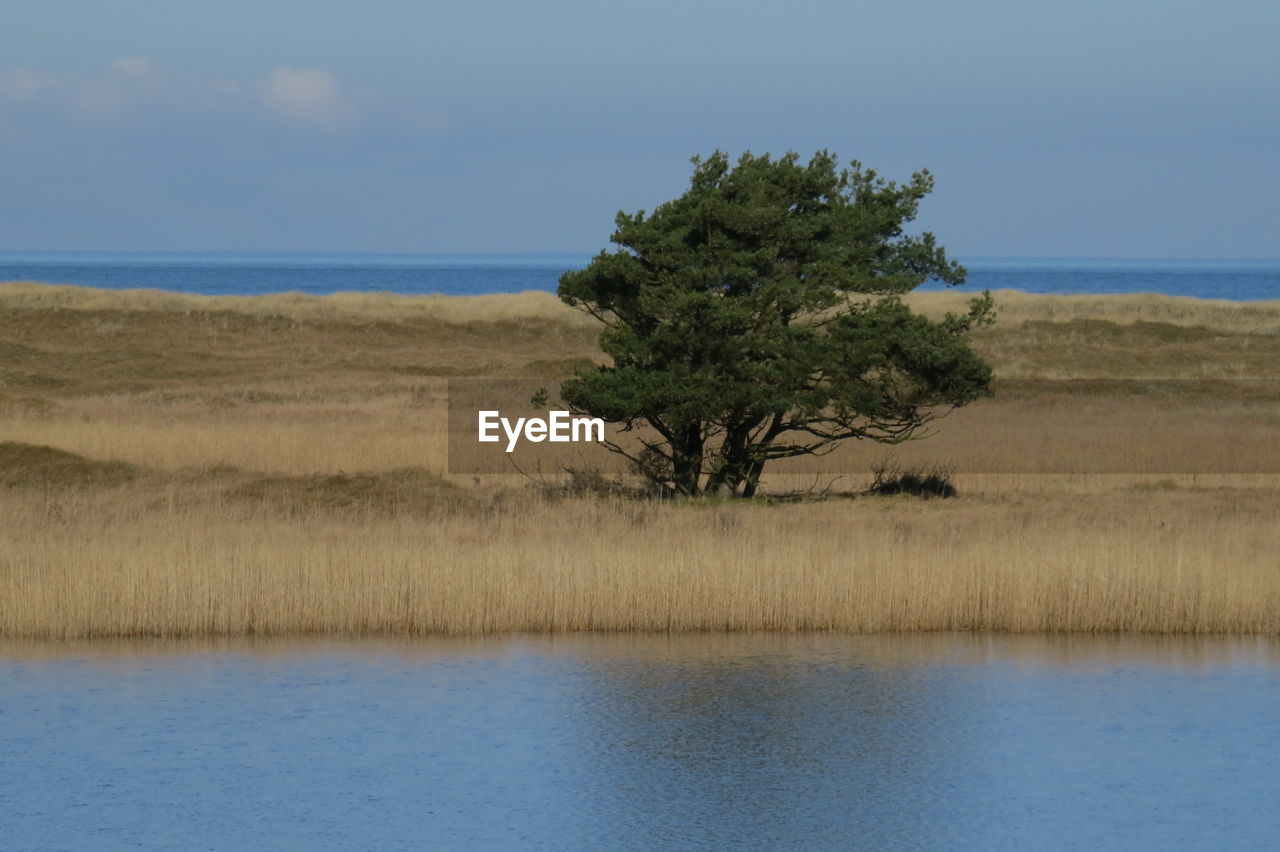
[251, 274]
[643, 742]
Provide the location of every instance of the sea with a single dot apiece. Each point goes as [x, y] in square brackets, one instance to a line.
[248, 274]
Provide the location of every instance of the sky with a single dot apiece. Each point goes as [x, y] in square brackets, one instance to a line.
[1146, 128]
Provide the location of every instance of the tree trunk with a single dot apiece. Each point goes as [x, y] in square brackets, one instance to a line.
[757, 451]
[686, 462]
[752, 480]
[731, 471]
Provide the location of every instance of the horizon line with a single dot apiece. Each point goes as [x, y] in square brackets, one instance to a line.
[550, 254]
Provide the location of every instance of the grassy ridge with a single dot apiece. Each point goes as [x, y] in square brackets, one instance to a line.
[179, 465]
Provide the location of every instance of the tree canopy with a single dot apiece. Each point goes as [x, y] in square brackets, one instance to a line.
[758, 316]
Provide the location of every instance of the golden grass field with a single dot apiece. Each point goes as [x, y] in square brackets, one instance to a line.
[177, 465]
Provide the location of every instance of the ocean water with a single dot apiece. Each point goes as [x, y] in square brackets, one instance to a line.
[253, 274]
[647, 742]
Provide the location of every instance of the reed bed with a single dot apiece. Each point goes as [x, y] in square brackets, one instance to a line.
[1186, 562]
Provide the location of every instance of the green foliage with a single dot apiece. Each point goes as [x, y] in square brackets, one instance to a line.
[758, 316]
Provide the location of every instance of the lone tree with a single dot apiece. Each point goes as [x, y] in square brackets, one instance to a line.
[758, 316]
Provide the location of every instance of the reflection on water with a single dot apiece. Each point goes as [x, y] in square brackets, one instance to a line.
[744, 741]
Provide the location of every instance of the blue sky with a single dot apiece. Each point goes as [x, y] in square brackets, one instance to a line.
[1142, 129]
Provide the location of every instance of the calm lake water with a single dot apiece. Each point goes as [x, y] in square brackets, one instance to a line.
[643, 742]
[254, 274]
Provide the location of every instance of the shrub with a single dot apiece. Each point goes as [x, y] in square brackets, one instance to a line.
[927, 480]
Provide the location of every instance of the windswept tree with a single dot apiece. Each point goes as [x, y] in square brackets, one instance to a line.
[759, 316]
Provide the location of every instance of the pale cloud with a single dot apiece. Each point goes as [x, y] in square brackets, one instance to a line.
[22, 84]
[307, 97]
[304, 94]
[133, 66]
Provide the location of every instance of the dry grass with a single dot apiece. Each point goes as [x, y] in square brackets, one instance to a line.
[1015, 306]
[1172, 560]
[180, 465]
[300, 307]
[302, 384]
